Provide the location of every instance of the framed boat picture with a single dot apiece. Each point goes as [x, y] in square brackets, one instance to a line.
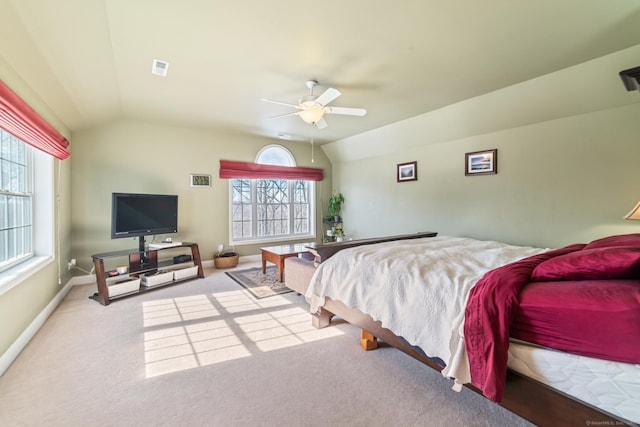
[481, 162]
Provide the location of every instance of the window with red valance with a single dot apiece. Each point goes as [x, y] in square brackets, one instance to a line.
[23, 122]
[247, 170]
[271, 199]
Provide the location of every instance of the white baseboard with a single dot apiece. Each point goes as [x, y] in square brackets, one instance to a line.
[82, 280]
[250, 258]
[19, 344]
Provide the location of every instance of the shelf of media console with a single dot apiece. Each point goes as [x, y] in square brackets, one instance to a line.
[141, 265]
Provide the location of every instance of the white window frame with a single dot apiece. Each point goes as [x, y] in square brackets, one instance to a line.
[41, 174]
[311, 234]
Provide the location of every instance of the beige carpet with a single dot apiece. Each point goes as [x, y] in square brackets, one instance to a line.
[206, 353]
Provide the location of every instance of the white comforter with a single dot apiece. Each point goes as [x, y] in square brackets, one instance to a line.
[417, 288]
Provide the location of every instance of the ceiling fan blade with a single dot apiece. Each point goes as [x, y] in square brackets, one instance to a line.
[328, 96]
[347, 111]
[321, 124]
[281, 103]
[295, 113]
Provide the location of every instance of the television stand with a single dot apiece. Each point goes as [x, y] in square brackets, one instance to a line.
[140, 262]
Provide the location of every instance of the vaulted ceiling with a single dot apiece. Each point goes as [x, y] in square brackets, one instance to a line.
[90, 60]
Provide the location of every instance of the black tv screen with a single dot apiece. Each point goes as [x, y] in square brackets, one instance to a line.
[143, 214]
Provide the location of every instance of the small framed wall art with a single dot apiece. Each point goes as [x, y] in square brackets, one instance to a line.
[198, 180]
[408, 171]
[481, 162]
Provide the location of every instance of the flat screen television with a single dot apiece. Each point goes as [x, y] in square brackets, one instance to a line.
[139, 215]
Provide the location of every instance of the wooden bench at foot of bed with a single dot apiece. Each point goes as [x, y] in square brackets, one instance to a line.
[524, 396]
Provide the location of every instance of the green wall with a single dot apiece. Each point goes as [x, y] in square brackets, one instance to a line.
[558, 182]
[568, 151]
[135, 156]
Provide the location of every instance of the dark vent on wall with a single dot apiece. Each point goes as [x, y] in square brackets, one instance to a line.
[631, 78]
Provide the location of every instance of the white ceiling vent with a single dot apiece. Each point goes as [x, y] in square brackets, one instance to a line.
[159, 68]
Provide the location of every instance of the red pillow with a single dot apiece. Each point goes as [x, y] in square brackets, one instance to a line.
[613, 241]
[591, 264]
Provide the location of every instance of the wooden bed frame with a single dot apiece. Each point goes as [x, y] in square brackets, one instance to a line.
[524, 396]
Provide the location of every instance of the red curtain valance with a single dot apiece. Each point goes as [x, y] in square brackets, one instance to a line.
[20, 120]
[230, 170]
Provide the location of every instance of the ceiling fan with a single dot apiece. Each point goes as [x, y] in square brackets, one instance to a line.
[312, 107]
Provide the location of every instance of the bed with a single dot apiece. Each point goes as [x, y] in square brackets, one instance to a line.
[553, 335]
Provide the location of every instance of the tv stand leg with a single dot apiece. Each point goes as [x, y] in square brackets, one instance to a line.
[101, 281]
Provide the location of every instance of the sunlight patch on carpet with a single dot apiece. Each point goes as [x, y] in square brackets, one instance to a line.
[178, 338]
[173, 310]
[283, 328]
[242, 301]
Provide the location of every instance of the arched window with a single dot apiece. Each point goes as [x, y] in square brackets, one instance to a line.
[275, 155]
[264, 210]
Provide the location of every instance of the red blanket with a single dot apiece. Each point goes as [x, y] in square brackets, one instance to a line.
[490, 311]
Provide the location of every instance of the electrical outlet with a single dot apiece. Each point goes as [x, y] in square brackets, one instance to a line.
[220, 247]
[71, 264]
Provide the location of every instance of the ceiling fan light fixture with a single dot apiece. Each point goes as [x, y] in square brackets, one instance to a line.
[311, 115]
[312, 108]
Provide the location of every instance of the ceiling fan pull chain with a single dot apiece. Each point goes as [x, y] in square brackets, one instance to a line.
[312, 160]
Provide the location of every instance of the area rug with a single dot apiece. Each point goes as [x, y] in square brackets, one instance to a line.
[260, 285]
